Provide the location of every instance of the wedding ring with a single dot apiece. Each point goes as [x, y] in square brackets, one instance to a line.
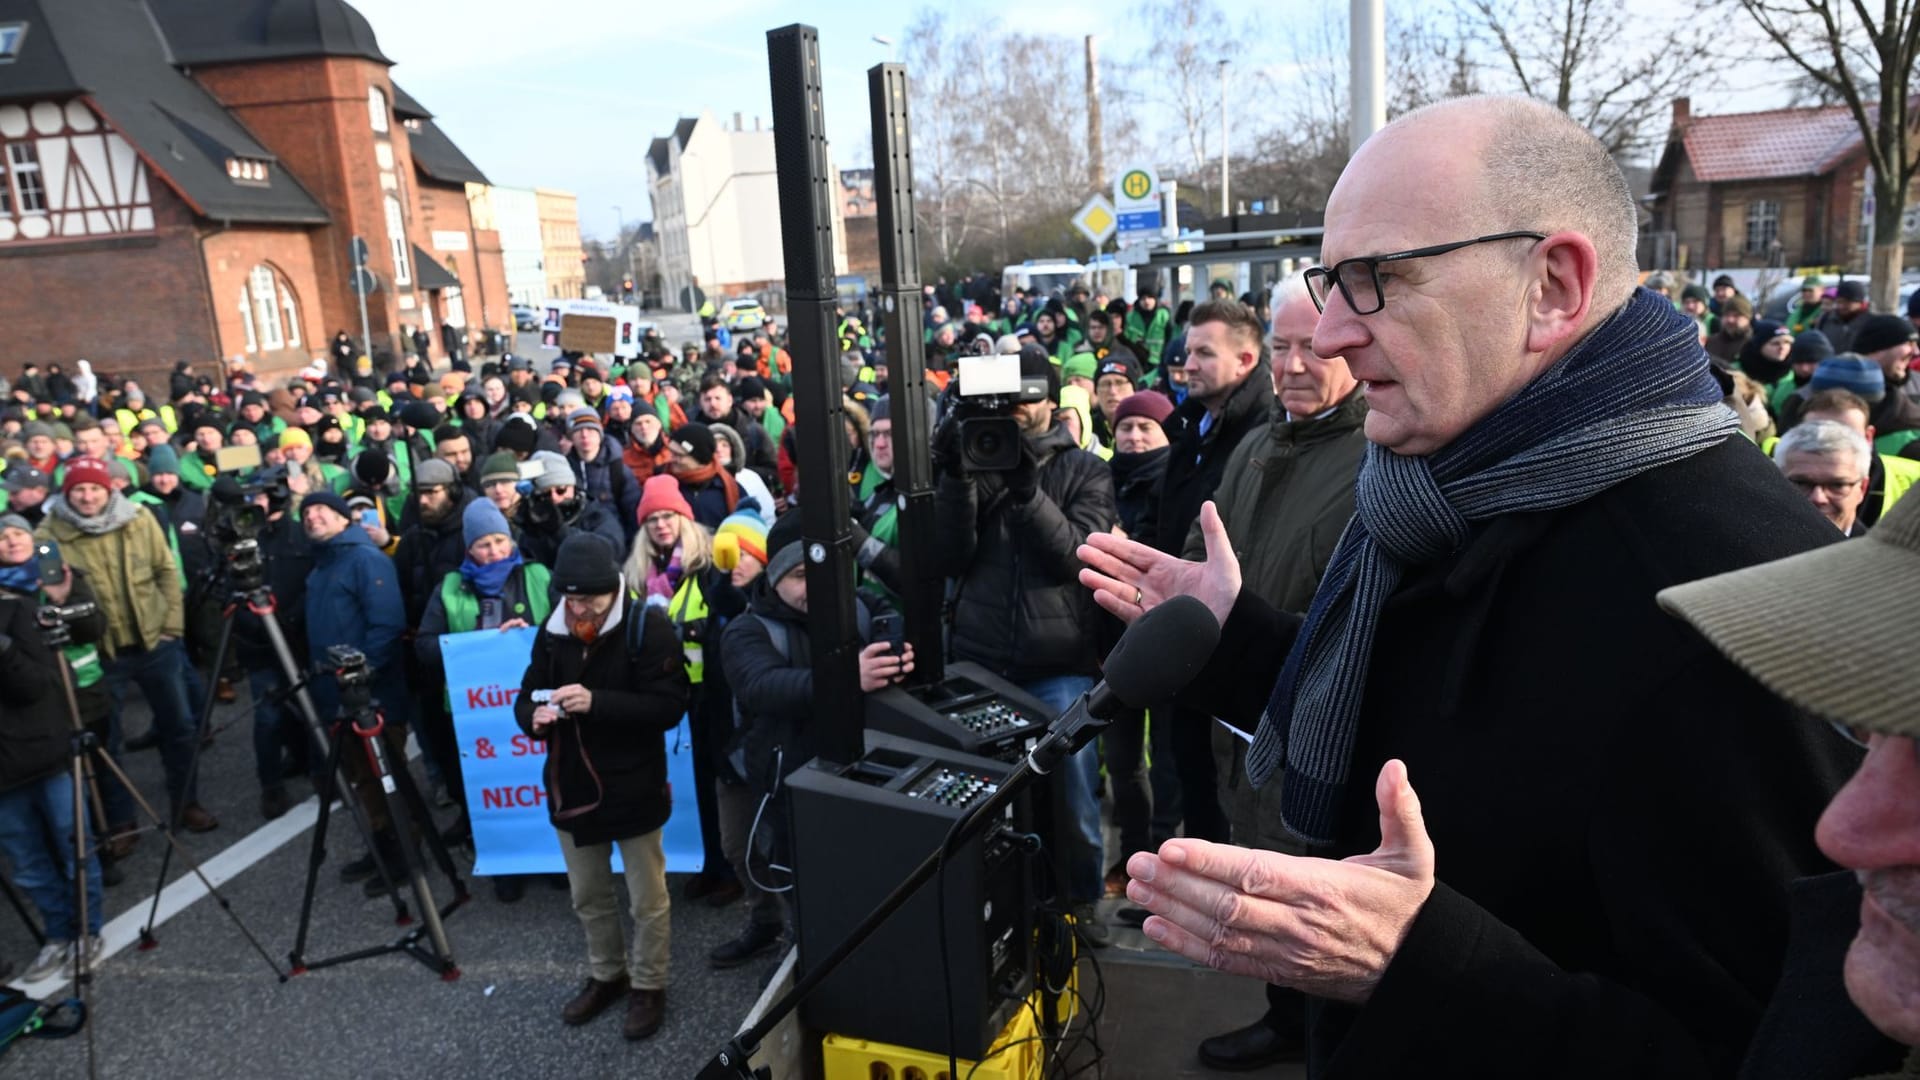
[1137, 597]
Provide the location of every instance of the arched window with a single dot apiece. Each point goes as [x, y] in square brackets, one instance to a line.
[270, 311]
[377, 108]
[397, 239]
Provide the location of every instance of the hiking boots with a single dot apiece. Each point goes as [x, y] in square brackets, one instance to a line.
[592, 1000]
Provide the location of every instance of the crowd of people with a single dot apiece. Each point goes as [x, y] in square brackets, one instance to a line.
[1433, 543]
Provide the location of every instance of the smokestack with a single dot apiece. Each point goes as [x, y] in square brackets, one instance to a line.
[737, 125]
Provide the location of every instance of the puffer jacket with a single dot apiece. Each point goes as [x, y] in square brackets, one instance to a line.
[34, 724]
[1198, 461]
[132, 569]
[353, 598]
[1020, 609]
[606, 770]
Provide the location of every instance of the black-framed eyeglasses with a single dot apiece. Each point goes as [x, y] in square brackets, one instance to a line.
[1359, 277]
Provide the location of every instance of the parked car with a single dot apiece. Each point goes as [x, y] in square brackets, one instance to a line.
[1784, 295]
[525, 318]
[745, 314]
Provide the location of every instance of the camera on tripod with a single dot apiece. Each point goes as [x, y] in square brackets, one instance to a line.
[350, 674]
[56, 620]
[989, 388]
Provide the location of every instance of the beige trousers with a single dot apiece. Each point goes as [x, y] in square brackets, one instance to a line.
[590, 877]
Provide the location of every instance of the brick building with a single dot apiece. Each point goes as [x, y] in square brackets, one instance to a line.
[862, 218]
[1782, 187]
[181, 179]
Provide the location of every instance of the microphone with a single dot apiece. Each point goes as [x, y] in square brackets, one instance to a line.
[1156, 658]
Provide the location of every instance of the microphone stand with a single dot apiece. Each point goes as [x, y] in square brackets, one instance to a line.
[1074, 729]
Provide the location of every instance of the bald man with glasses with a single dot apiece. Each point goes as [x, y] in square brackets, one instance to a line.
[1591, 880]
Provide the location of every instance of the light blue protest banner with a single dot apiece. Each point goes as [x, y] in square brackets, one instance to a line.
[502, 766]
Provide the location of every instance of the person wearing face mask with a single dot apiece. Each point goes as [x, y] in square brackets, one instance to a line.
[612, 681]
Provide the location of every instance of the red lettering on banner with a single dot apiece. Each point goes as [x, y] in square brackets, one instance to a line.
[524, 745]
[509, 796]
[491, 697]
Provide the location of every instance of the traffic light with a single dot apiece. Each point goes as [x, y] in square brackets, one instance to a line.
[626, 284]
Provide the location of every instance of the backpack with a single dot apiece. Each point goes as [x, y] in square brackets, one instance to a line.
[779, 634]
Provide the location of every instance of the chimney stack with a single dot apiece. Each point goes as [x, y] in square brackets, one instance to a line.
[1682, 111]
[737, 125]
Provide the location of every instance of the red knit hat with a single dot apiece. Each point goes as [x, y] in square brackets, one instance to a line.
[662, 492]
[85, 470]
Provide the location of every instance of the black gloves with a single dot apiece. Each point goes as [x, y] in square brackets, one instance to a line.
[1024, 478]
[946, 448]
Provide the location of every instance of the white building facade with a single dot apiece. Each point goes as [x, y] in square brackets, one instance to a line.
[716, 213]
[517, 213]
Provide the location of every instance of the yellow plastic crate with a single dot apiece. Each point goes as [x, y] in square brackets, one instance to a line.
[1016, 1055]
[1068, 1003]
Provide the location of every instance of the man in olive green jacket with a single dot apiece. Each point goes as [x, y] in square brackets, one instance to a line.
[1285, 498]
[124, 551]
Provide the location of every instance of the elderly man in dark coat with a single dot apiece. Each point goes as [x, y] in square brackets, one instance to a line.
[1592, 881]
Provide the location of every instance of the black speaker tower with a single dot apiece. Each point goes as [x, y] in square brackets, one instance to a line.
[807, 187]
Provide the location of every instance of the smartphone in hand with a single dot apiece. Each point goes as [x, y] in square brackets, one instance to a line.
[892, 629]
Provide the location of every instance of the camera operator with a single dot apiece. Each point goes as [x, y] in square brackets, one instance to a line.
[769, 663]
[37, 821]
[1010, 538]
[280, 739]
[611, 690]
[363, 609]
[124, 550]
[556, 509]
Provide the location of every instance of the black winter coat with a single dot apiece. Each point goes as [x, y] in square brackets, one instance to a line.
[34, 722]
[289, 557]
[606, 770]
[606, 482]
[1616, 810]
[1020, 609]
[774, 691]
[428, 553]
[1136, 480]
[1197, 462]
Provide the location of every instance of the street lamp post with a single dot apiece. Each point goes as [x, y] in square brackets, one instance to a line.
[1226, 207]
[621, 238]
[893, 55]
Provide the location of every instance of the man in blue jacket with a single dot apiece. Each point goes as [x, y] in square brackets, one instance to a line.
[355, 600]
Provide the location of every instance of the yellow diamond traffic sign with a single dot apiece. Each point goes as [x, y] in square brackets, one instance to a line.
[1096, 220]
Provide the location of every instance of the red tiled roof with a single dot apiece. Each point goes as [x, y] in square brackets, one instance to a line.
[1764, 145]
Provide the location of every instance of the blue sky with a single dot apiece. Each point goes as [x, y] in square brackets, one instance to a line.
[571, 99]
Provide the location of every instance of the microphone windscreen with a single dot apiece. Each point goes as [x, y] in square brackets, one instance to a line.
[1161, 652]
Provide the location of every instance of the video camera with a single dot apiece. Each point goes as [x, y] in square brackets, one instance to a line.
[989, 387]
[56, 620]
[350, 674]
[233, 517]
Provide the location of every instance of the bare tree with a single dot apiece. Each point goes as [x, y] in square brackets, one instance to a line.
[1594, 60]
[1867, 63]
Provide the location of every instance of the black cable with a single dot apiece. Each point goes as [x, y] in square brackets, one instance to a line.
[940, 929]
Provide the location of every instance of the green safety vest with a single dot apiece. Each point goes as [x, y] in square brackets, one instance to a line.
[689, 606]
[463, 607]
[195, 471]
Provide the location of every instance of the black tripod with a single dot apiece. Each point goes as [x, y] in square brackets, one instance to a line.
[246, 573]
[83, 750]
[358, 717]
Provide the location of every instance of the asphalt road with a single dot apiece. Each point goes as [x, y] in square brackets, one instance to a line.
[205, 1003]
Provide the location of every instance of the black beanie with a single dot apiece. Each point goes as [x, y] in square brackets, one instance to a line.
[586, 566]
[420, 415]
[695, 441]
[516, 436]
[372, 467]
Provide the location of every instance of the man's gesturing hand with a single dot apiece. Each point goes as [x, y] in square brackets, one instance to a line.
[1324, 927]
[1128, 578]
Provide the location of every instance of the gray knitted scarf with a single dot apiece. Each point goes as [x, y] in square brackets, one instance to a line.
[1634, 395]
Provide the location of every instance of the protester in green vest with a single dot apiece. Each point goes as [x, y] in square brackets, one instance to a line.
[673, 566]
[197, 466]
[1808, 307]
[1149, 324]
[494, 589]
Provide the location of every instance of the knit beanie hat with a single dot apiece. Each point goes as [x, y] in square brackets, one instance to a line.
[420, 415]
[499, 465]
[373, 467]
[294, 436]
[1154, 406]
[1696, 292]
[1118, 363]
[1079, 365]
[695, 441]
[785, 561]
[517, 436]
[162, 458]
[555, 471]
[1878, 332]
[1810, 347]
[662, 492]
[435, 473]
[86, 470]
[583, 417]
[748, 529]
[482, 518]
[14, 521]
[586, 566]
[330, 500]
[1850, 371]
[36, 427]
